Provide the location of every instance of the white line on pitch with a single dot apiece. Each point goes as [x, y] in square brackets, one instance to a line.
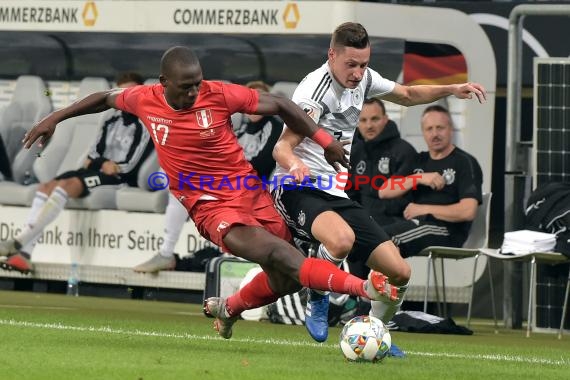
[36, 307]
[110, 330]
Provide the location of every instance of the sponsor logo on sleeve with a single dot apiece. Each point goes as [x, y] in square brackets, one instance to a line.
[311, 110]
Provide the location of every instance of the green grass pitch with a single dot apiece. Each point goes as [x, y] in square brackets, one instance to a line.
[47, 336]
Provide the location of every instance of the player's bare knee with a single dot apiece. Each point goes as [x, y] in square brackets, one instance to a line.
[46, 187]
[341, 244]
[72, 186]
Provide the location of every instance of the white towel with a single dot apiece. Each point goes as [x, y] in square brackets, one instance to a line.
[526, 241]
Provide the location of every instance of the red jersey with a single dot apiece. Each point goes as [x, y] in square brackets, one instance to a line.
[197, 147]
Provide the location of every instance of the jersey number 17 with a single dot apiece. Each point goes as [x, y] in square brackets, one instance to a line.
[157, 129]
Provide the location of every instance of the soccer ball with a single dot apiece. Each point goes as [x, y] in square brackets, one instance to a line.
[365, 339]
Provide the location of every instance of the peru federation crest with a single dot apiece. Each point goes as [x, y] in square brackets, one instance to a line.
[204, 118]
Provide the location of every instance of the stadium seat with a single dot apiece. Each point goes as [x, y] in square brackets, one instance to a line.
[69, 146]
[28, 105]
[143, 198]
[284, 88]
[478, 239]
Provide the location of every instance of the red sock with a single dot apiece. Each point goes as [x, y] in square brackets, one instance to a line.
[320, 274]
[255, 294]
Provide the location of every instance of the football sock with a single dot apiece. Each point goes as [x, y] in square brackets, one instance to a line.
[50, 210]
[385, 309]
[320, 274]
[254, 294]
[175, 217]
[37, 204]
[323, 253]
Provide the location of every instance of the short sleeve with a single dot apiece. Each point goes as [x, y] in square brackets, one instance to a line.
[129, 99]
[379, 85]
[304, 99]
[240, 98]
[471, 179]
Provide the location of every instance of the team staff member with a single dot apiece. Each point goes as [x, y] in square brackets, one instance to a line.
[446, 199]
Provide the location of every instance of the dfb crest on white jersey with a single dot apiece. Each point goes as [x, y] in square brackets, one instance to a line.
[356, 96]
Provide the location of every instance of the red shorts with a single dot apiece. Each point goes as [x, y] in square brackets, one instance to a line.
[214, 219]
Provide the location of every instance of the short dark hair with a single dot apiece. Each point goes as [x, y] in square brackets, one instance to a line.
[376, 101]
[129, 76]
[436, 108]
[441, 109]
[177, 55]
[350, 34]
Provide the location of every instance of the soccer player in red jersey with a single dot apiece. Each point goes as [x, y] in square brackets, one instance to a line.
[189, 121]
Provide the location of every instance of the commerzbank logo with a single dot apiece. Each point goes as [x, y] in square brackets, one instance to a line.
[291, 16]
[89, 13]
[233, 13]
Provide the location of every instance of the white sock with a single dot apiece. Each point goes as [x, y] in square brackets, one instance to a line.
[176, 215]
[323, 253]
[385, 309]
[37, 204]
[47, 214]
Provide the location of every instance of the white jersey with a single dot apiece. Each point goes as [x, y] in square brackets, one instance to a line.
[336, 109]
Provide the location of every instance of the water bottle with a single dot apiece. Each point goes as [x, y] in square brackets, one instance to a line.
[27, 178]
[73, 281]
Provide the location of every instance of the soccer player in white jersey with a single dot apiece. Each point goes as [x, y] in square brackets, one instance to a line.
[309, 193]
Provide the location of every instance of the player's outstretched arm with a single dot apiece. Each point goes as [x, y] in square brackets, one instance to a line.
[299, 122]
[93, 103]
[422, 94]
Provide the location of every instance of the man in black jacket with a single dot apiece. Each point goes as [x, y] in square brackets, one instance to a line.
[446, 190]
